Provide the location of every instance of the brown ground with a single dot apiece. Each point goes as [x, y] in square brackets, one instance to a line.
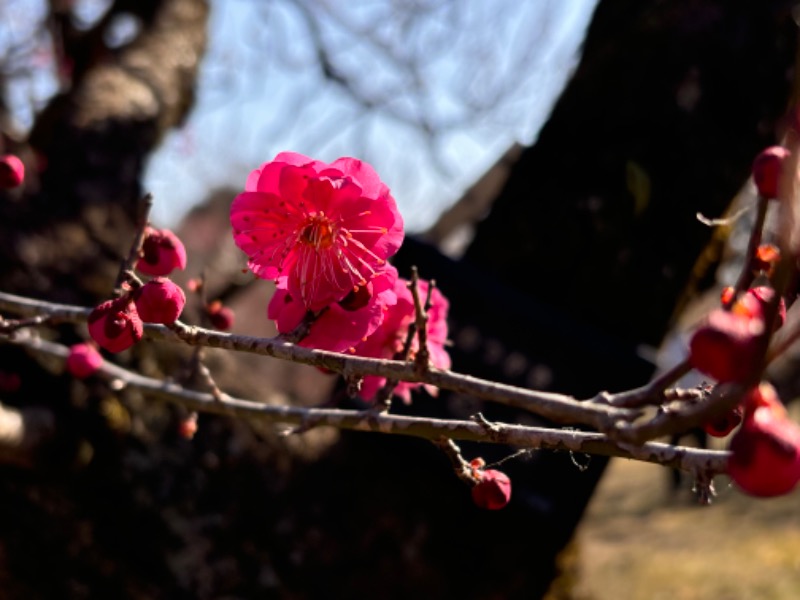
[640, 541]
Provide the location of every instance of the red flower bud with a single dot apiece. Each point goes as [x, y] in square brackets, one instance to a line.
[162, 253]
[724, 424]
[115, 325]
[83, 360]
[726, 296]
[763, 295]
[12, 171]
[221, 316]
[767, 256]
[493, 491]
[188, 427]
[727, 347]
[767, 169]
[765, 452]
[159, 301]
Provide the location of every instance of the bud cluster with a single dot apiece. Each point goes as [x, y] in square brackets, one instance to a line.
[730, 346]
[116, 324]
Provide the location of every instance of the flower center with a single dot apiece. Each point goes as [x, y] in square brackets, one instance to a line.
[318, 231]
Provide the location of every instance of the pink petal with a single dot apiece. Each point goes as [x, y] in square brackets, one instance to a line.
[251, 185]
[364, 175]
[296, 159]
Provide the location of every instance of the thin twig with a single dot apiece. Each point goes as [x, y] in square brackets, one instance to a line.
[461, 467]
[746, 275]
[9, 326]
[422, 358]
[129, 264]
[650, 393]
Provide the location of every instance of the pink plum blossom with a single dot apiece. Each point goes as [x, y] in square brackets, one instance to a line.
[325, 229]
[344, 324]
[390, 337]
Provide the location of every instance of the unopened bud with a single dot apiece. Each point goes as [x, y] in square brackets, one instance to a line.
[162, 253]
[160, 301]
[83, 360]
[115, 325]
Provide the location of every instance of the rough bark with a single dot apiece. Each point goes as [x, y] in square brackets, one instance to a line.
[64, 236]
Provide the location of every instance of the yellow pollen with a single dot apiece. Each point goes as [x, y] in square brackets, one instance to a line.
[318, 232]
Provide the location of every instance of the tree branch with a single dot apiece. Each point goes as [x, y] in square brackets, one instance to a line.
[559, 408]
[570, 440]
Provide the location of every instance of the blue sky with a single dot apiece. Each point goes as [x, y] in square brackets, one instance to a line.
[486, 74]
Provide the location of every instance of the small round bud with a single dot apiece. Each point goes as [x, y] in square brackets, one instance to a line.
[162, 253]
[220, 316]
[160, 301]
[187, 426]
[83, 360]
[727, 347]
[767, 169]
[115, 325]
[493, 491]
[12, 171]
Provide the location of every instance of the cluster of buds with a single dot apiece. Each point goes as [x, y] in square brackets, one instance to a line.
[765, 451]
[730, 347]
[218, 315]
[117, 324]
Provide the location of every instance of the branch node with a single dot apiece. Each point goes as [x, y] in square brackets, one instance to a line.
[487, 425]
[463, 470]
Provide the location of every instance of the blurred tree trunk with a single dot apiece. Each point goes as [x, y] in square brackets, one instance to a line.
[661, 121]
[64, 236]
[68, 533]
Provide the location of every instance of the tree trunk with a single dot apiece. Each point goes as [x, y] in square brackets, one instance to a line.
[662, 119]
